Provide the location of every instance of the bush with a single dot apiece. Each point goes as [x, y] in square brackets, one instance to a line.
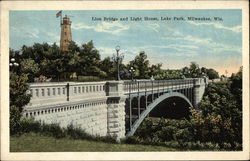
[76, 133]
[29, 125]
[130, 140]
[88, 78]
[18, 99]
[14, 120]
[54, 130]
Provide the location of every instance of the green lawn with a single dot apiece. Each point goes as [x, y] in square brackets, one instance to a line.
[32, 142]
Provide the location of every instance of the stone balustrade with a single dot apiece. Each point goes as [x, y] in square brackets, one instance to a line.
[54, 92]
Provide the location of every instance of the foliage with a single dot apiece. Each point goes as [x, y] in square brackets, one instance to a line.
[236, 86]
[140, 65]
[84, 60]
[29, 67]
[155, 70]
[48, 60]
[194, 71]
[170, 74]
[18, 98]
[54, 130]
[89, 60]
[211, 73]
[108, 67]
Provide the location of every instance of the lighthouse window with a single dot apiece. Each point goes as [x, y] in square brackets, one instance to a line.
[64, 40]
[65, 33]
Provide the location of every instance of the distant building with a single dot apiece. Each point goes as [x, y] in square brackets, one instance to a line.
[65, 34]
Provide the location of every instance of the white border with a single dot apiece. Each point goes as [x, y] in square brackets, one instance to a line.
[117, 5]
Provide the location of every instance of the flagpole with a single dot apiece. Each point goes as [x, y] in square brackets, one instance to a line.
[61, 18]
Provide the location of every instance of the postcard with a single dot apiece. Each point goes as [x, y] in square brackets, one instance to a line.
[124, 80]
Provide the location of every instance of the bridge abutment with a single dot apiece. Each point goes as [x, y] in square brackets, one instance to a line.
[116, 109]
[198, 91]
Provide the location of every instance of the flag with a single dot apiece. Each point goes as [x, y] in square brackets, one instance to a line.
[59, 14]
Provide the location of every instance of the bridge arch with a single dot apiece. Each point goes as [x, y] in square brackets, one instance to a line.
[151, 106]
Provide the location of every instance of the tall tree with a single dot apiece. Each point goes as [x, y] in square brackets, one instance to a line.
[29, 67]
[18, 98]
[155, 69]
[194, 70]
[212, 74]
[141, 66]
[108, 66]
[89, 60]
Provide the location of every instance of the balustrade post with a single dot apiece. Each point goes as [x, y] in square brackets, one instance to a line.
[130, 108]
[146, 97]
[152, 90]
[158, 88]
[67, 87]
[138, 96]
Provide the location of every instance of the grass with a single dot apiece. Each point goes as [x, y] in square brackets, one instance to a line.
[33, 142]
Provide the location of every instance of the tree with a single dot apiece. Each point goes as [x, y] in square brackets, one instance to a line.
[236, 86]
[170, 74]
[221, 101]
[186, 72]
[18, 99]
[141, 66]
[29, 67]
[108, 66]
[194, 69]
[212, 74]
[89, 60]
[155, 69]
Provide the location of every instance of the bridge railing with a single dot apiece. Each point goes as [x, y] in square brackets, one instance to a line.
[153, 85]
[53, 92]
[60, 92]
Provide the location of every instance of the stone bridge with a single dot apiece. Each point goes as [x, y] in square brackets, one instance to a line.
[114, 108]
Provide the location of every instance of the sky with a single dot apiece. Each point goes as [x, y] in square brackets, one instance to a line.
[175, 43]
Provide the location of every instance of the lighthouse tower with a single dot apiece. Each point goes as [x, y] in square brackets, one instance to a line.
[65, 34]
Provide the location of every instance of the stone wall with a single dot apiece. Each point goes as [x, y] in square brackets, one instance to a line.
[198, 91]
[89, 115]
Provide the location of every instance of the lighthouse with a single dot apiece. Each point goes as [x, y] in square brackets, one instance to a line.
[65, 34]
[65, 38]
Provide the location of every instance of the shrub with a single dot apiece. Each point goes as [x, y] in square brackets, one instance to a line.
[14, 120]
[54, 130]
[76, 133]
[29, 125]
[130, 140]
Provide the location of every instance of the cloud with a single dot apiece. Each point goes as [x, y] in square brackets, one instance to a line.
[236, 29]
[207, 42]
[154, 26]
[218, 47]
[107, 27]
[189, 38]
[32, 33]
[25, 32]
[106, 51]
[53, 35]
[177, 47]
